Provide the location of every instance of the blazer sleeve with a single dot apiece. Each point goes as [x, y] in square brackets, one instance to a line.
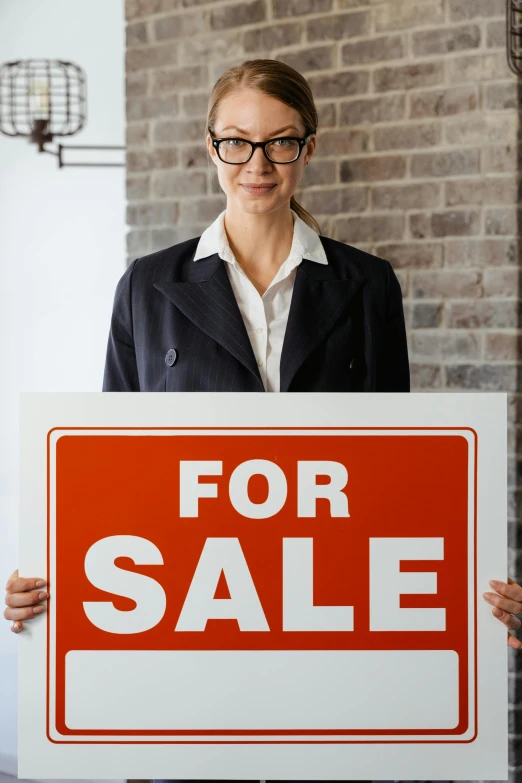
[395, 367]
[121, 370]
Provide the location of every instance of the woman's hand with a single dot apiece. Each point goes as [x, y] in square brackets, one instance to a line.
[21, 604]
[506, 602]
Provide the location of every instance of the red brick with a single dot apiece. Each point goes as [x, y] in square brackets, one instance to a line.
[246, 12]
[446, 284]
[343, 142]
[482, 314]
[138, 134]
[372, 110]
[178, 80]
[335, 201]
[405, 77]
[481, 129]
[179, 26]
[201, 210]
[502, 345]
[443, 102]
[368, 228]
[375, 49]
[175, 184]
[444, 40]
[502, 282]
[138, 242]
[496, 34]
[333, 27]
[441, 224]
[451, 163]
[272, 36]
[413, 255]
[170, 131]
[137, 84]
[396, 14]
[148, 107]
[483, 377]
[470, 9]
[339, 84]
[503, 221]
[425, 376]
[486, 190]
[152, 213]
[406, 196]
[500, 159]
[316, 58]
[481, 252]
[425, 315]
[445, 345]
[477, 67]
[393, 137]
[138, 186]
[377, 167]
[283, 8]
[501, 96]
[136, 34]
[152, 56]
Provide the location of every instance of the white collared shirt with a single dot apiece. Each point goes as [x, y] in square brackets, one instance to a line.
[265, 317]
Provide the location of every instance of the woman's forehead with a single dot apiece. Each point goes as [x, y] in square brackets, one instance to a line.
[246, 111]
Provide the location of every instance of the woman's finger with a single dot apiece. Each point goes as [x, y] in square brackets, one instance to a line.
[24, 613]
[19, 584]
[16, 627]
[510, 590]
[511, 623]
[25, 599]
[514, 642]
[507, 604]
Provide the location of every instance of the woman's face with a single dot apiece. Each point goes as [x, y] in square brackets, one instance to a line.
[252, 115]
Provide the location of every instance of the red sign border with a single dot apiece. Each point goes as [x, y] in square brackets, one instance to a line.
[268, 741]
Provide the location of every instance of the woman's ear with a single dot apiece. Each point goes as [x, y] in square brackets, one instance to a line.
[209, 145]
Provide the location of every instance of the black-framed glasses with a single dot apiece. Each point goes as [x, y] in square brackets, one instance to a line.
[234, 150]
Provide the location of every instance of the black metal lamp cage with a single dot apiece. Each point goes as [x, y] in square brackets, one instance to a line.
[42, 99]
[514, 35]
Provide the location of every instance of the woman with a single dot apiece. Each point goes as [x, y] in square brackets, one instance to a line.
[262, 300]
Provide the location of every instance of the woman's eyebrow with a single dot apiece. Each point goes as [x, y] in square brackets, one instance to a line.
[241, 130]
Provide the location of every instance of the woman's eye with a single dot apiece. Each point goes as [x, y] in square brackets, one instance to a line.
[289, 141]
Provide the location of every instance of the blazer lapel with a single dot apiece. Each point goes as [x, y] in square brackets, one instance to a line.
[207, 299]
[319, 299]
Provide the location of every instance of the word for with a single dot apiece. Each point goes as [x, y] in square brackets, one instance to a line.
[190, 489]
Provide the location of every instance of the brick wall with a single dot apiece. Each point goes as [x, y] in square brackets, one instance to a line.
[416, 161]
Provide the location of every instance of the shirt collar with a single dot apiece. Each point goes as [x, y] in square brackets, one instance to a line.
[305, 243]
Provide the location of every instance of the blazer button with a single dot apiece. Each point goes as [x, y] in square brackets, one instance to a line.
[170, 357]
[351, 363]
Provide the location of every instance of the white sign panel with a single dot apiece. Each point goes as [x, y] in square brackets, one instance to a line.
[256, 586]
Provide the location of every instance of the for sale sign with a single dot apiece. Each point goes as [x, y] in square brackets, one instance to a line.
[265, 589]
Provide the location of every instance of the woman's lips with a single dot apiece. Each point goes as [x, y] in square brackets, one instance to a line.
[258, 190]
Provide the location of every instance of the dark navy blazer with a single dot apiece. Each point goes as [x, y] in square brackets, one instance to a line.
[176, 326]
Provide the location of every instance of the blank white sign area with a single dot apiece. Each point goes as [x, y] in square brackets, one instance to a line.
[231, 689]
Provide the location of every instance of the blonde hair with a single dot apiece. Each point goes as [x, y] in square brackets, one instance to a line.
[277, 80]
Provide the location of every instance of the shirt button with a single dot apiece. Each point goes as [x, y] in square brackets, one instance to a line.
[260, 362]
[259, 329]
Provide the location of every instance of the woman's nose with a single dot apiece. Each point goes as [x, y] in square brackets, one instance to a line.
[261, 157]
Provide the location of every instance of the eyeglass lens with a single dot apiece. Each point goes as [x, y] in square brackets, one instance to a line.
[279, 150]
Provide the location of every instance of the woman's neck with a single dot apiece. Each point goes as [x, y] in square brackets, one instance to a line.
[260, 243]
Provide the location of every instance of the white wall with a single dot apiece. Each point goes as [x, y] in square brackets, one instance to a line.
[62, 250]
